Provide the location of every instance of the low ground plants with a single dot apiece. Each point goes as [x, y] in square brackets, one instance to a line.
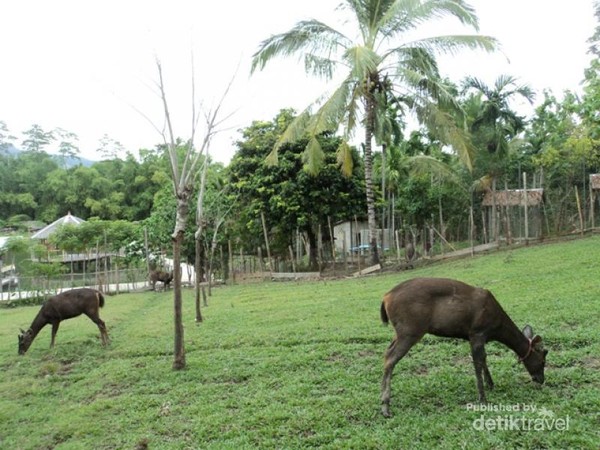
[299, 365]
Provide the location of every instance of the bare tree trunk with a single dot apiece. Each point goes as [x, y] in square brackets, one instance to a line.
[198, 270]
[179, 348]
[147, 252]
[507, 216]
[526, 207]
[332, 240]
[183, 174]
[493, 223]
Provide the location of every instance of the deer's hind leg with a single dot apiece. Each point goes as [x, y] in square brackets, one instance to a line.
[101, 326]
[399, 347]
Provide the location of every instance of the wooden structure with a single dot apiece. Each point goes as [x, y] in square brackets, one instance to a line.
[518, 214]
[594, 189]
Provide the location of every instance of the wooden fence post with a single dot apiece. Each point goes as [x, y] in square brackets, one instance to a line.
[264, 224]
[579, 210]
[526, 208]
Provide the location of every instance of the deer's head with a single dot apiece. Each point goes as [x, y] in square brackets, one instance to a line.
[535, 358]
[25, 339]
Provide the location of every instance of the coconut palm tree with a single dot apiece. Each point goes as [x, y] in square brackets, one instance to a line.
[493, 124]
[380, 54]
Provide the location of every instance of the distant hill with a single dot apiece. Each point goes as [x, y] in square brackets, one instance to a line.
[71, 162]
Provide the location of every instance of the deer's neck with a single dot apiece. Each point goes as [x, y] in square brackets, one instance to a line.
[38, 323]
[510, 335]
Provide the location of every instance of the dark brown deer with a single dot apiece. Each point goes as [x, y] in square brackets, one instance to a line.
[164, 277]
[450, 308]
[65, 305]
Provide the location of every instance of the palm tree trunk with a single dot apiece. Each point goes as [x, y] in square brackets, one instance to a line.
[369, 182]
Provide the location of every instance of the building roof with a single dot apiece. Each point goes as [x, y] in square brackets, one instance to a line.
[50, 229]
[514, 197]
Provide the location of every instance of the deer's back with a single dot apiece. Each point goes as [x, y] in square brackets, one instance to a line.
[71, 304]
[440, 306]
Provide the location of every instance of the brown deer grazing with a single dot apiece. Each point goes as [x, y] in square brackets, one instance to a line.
[65, 305]
[450, 308]
[164, 277]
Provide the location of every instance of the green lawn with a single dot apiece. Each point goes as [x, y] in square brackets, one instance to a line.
[299, 365]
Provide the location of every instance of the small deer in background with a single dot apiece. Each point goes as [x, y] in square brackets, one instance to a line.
[65, 305]
[159, 275]
[450, 308]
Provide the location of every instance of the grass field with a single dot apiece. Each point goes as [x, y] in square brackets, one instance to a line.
[299, 365]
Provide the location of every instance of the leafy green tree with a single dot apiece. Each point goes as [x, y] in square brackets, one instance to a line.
[590, 106]
[109, 148]
[37, 139]
[289, 197]
[6, 139]
[385, 57]
[68, 148]
[29, 177]
[420, 178]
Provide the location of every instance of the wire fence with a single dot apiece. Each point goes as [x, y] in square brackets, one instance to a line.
[110, 282]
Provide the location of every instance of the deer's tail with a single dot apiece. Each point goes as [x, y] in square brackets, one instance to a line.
[383, 313]
[100, 298]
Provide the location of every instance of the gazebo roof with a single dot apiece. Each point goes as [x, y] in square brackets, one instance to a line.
[50, 229]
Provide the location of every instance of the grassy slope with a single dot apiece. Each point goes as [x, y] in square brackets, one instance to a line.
[290, 365]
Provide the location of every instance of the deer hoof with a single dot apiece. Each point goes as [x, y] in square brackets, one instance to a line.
[385, 410]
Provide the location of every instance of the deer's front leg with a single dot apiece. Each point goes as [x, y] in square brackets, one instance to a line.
[54, 331]
[478, 354]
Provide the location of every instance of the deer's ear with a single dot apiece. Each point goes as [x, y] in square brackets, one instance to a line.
[537, 342]
[528, 332]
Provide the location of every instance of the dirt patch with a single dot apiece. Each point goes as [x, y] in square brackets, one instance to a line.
[56, 368]
[421, 370]
[591, 362]
[336, 357]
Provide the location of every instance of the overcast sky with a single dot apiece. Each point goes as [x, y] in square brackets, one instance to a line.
[89, 67]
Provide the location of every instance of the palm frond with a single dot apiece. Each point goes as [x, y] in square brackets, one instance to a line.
[482, 184]
[319, 66]
[405, 15]
[417, 59]
[451, 44]
[424, 164]
[344, 158]
[444, 127]
[272, 158]
[439, 9]
[362, 60]
[331, 113]
[310, 36]
[313, 156]
[294, 131]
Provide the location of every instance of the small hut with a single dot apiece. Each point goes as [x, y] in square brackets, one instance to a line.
[48, 230]
[353, 237]
[77, 261]
[518, 214]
